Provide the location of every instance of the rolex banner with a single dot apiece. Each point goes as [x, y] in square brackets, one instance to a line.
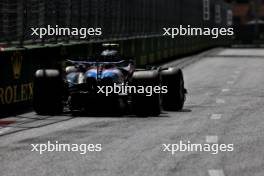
[17, 68]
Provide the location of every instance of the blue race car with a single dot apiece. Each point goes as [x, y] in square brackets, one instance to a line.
[110, 85]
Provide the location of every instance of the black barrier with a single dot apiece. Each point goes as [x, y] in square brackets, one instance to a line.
[17, 67]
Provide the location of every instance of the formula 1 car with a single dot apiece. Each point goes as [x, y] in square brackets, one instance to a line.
[88, 85]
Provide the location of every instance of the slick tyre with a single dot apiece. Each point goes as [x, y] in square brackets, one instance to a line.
[174, 99]
[115, 106]
[144, 104]
[48, 92]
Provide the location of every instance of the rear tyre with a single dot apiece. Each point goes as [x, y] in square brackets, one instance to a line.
[48, 92]
[175, 97]
[144, 105]
[115, 106]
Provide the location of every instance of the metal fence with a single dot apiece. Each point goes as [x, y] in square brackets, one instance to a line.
[118, 18]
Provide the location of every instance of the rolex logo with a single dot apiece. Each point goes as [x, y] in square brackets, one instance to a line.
[16, 61]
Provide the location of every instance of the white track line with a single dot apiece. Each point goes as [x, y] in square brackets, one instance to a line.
[211, 139]
[216, 116]
[230, 82]
[220, 101]
[225, 90]
[5, 129]
[215, 172]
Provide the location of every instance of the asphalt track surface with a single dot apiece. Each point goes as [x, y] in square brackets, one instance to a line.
[224, 105]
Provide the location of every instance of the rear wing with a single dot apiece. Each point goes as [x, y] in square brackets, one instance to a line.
[94, 62]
